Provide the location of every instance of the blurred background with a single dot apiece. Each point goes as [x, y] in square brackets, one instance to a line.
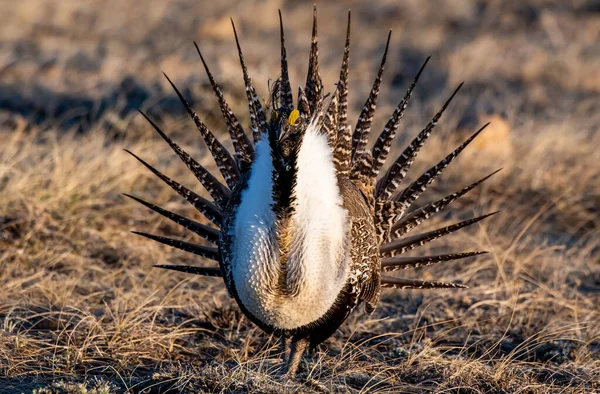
[80, 300]
[74, 62]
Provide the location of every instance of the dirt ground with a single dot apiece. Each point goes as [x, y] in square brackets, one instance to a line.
[83, 311]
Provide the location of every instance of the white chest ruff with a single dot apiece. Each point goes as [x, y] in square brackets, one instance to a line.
[317, 265]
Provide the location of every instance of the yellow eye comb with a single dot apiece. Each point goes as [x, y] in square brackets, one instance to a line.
[294, 115]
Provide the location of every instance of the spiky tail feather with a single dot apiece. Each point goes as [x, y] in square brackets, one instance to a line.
[204, 251]
[209, 233]
[363, 125]
[204, 271]
[258, 119]
[244, 150]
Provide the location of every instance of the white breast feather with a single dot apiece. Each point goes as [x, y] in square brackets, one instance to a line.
[318, 261]
[254, 243]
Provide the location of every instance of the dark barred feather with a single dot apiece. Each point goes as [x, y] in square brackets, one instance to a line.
[401, 263]
[331, 117]
[396, 173]
[314, 86]
[219, 192]
[204, 271]
[205, 251]
[384, 142]
[363, 126]
[412, 192]
[398, 283]
[403, 245]
[207, 208]
[303, 105]
[258, 119]
[386, 214]
[343, 84]
[342, 151]
[209, 233]
[418, 216]
[242, 145]
[227, 166]
[285, 88]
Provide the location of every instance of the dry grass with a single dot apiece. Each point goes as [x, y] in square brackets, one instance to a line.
[81, 309]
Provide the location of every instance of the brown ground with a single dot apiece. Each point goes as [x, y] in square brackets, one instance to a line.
[81, 309]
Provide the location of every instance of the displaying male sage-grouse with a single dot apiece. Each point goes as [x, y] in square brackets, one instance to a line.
[307, 229]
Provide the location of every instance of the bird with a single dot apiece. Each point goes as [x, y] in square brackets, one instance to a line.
[306, 225]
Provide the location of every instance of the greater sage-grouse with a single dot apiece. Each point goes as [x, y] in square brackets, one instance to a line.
[305, 228]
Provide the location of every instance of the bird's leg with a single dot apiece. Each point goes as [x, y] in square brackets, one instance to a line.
[284, 347]
[296, 351]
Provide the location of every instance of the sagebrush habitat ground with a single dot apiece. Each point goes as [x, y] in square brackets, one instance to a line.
[83, 311]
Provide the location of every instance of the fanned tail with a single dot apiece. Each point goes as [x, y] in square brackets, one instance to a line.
[392, 209]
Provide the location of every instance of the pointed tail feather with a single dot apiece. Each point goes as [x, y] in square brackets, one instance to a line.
[286, 94]
[343, 86]
[363, 126]
[418, 216]
[397, 263]
[207, 208]
[331, 116]
[258, 119]
[242, 145]
[208, 252]
[342, 152]
[219, 192]
[206, 232]
[314, 85]
[227, 166]
[399, 283]
[403, 245]
[396, 173]
[384, 142]
[190, 269]
[416, 188]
